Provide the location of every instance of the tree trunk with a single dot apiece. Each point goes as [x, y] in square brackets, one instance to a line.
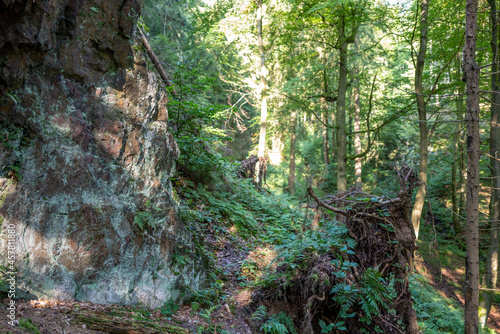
[454, 182]
[326, 151]
[463, 175]
[357, 136]
[492, 259]
[324, 104]
[422, 116]
[293, 137]
[341, 119]
[261, 166]
[458, 167]
[471, 72]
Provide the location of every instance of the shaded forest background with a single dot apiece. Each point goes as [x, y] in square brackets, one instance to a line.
[335, 95]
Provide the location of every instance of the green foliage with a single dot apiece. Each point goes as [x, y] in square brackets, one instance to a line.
[260, 313]
[375, 294]
[194, 119]
[147, 219]
[144, 219]
[4, 284]
[326, 328]
[279, 323]
[209, 296]
[29, 326]
[330, 237]
[435, 313]
[169, 308]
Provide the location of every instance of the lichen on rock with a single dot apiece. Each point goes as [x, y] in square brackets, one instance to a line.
[84, 147]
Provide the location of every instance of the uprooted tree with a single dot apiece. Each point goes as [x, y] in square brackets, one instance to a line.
[361, 287]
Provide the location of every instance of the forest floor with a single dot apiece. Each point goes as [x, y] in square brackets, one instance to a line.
[65, 317]
[445, 272]
[77, 317]
[68, 317]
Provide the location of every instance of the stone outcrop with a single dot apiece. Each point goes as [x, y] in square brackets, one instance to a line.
[86, 157]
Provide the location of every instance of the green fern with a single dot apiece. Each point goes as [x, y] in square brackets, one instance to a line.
[279, 323]
[144, 219]
[259, 314]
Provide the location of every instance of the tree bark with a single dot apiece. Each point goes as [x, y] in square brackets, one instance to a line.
[357, 136]
[326, 150]
[422, 116]
[454, 182]
[490, 280]
[458, 167]
[471, 72]
[341, 101]
[324, 104]
[261, 166]
[293, 136]
[341, 122]
[463, 174]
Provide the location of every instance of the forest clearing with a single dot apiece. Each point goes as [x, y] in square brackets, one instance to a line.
[249, 166]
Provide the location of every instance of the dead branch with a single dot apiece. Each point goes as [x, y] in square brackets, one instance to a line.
[311, 193]
[155, 60]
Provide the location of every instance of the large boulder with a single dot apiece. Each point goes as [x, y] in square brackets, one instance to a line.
[86, 157]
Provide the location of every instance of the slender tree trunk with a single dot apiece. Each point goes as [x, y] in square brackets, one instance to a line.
[422, 116]
[463, 175]
[324, 104]
[326, 150]
[261, 166]
[458, 167]
[454, 182]
[341, 118]
[334, 154]
[490, 280]
[357, 135]
[293, 136]
[471, 72]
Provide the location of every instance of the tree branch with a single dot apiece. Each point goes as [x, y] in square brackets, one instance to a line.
[311, 193]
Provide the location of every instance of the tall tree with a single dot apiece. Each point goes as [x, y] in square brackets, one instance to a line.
[345, 38]
[471, 73]
[293, 137]
[491, 274]
[422, 117]
[261, 167]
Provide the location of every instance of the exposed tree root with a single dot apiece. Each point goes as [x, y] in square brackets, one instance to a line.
[385, 245]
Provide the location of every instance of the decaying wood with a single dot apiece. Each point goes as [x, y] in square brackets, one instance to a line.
[311, 193]
[121, 323]
[247, 170]
[155, 60]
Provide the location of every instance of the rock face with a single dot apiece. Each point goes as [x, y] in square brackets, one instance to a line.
[86, 157]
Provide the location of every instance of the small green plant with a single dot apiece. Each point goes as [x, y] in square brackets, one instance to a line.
[29, 326]
[260, 313]
[279, 323]
[4, 285]
[209, 296]
[325, 328]
[144, 219]
[169, 308]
